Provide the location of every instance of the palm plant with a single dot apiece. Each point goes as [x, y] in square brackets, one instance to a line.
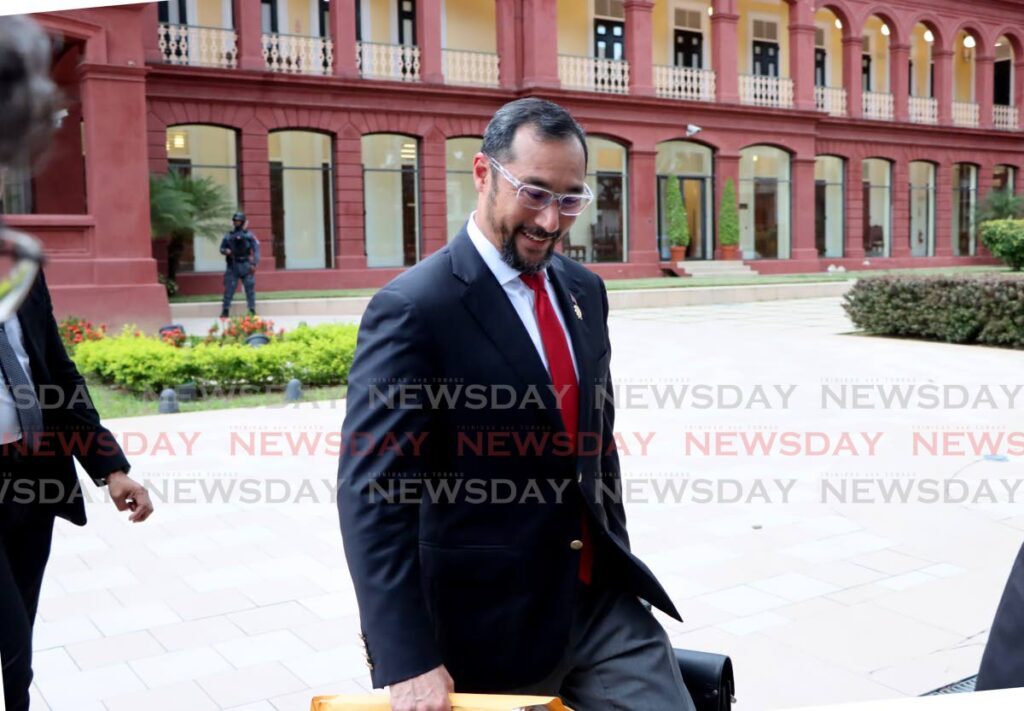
[1000, 204]
[182, 207]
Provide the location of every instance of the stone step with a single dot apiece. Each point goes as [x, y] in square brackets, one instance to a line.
[697, 268]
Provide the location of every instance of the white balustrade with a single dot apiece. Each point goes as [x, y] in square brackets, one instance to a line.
[831, 100]
[196, 45]
[965, 114]
[684, 83]
[400, 62]
[462, 66]
[923, 109]
[1005, 117]
[298, 54]
[878, 106]
[766, 91]
[593, 74]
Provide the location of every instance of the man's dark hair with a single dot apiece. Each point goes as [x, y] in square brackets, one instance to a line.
[550, 120]
[27, 94]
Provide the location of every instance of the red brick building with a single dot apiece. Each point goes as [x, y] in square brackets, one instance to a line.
[855, 132]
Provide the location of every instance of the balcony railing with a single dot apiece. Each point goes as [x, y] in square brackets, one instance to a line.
[1005, 117]
[298, 54]
[684, 83]
[878, 106]
[462, 66]
[198, 46]
[923, 109]
[766, 91]
[399, 62]
[965, 114]
[831, 100]
[593, 74]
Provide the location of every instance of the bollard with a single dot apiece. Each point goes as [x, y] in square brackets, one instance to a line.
[169, 402]
[293, 391]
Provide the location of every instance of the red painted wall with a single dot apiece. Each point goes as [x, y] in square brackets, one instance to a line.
[136, 97]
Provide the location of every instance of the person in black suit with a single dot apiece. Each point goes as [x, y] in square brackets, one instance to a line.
[487, 540]
[40, 436]
[1002, 664]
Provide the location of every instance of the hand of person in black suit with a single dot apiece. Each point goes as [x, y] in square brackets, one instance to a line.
[426, 692]
[129, 495]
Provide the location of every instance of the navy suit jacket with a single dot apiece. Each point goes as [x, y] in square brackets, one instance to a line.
[71, 423]
[1002, 665]
[475, 572]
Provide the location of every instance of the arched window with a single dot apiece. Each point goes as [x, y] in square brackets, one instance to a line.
[877, 187]
[922, 208]
[686, 166]
[205, 151]
[460, 189]
[1004, 177]
[829, 196]
[764, 202]
[301, 199]
[391, 199]
[965, 200]
[601, 229]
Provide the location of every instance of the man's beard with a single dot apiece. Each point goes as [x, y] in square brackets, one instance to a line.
[510, 255]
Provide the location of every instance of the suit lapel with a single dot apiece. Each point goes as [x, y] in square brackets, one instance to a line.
[30, 342]
[570, 294]
[487, 301]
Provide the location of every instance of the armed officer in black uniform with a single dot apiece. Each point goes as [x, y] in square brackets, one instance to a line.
[241, 251]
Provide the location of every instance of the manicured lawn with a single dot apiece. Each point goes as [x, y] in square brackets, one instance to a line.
[651, 283]
[113, 402]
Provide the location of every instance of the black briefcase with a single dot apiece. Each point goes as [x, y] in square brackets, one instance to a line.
[709, 679]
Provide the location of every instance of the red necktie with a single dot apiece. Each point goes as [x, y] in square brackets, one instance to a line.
[563, 378]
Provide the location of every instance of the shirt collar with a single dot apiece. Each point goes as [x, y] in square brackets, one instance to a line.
[491, 256]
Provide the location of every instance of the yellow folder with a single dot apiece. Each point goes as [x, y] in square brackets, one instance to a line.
[460, 702]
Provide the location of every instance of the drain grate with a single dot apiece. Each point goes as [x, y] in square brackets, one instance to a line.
[964, 686]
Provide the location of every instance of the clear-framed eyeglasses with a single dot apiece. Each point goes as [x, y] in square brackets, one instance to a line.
[537, 198]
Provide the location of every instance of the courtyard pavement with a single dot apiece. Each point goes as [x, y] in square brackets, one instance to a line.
[780, 552]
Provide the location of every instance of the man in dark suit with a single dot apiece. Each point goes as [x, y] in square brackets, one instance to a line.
[46, 417]
[487, 540]
[46, 420]
[1002, 665]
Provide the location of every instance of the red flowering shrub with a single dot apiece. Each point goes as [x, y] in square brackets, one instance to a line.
[74, 330]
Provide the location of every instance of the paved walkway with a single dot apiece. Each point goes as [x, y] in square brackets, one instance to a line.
[821, 594]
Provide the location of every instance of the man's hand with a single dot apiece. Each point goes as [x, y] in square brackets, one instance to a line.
[129, 494]
[227, 251]
[426, 692]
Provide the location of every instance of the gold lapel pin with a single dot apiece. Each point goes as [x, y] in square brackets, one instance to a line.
[576, 307]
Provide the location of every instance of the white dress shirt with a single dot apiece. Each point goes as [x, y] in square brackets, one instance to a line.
[10, 428]
[519, 293]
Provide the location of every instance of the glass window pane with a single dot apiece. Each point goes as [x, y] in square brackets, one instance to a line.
[877, 194]
[764, 202]
[829, 213]
[391, 200]
[922, 209]
[965, 195]
[461, 192]
[601, 228]
[302, 202]
[209, 151]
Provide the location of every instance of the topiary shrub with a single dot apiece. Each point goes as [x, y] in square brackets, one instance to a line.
[728, 217]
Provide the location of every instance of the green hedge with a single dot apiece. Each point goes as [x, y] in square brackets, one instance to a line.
[1005, 240]
[317, 355]
[986, 310]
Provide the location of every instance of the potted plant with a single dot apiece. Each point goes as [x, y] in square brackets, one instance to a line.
[729, 223]
[678, 224]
